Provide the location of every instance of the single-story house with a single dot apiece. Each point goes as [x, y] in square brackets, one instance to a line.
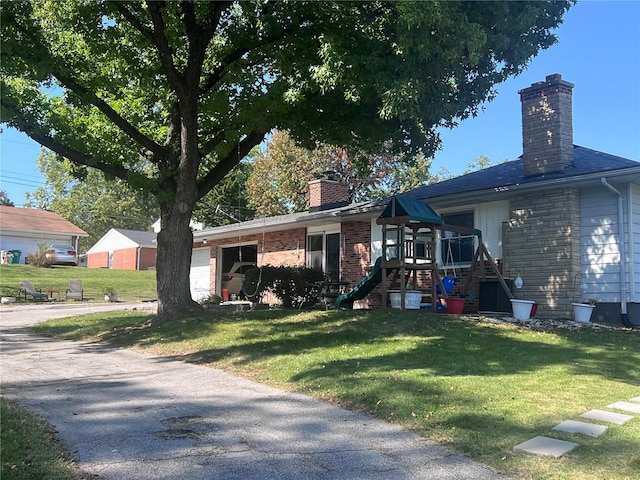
[124, 250]
[25, 229]
[563, 217]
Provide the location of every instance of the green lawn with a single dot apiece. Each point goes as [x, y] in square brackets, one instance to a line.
[130, 285]
[475, 386]
[29, 447]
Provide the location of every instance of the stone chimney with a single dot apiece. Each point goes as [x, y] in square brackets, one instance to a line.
[547, 125]
[327, 192]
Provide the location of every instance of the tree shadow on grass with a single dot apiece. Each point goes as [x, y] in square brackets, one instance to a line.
[380, 341]
[425, 371]
[440, 345]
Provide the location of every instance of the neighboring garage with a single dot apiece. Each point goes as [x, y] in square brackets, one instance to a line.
[24, 230]
[200, 280]
[124, 250]
[236, 261]
[243, 253]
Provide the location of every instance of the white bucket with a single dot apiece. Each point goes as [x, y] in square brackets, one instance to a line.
[582, 312]
[394, 298]
[412, 299]
[521, 309]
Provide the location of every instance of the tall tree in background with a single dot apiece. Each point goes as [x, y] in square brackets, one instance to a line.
[92, 202]
[415, 173]
[192, 87]
[228, 202]
[281, 171]
[4, 199]
[278, 182]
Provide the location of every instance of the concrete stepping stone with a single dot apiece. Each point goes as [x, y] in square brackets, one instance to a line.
[545, 446]
[609, 417]
[626, 406]
[635, 399]
[573, 426]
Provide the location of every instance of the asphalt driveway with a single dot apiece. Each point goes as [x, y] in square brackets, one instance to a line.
[126, 415]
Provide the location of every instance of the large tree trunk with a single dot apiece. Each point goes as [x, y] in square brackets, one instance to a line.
[173, 264]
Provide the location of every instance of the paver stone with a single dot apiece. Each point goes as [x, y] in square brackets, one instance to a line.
[609, 417]
[626, 406]
[545, 446]
[573, 426]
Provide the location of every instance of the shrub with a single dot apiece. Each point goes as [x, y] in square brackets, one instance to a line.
[293, 286]
[39, 259]
[212, 299]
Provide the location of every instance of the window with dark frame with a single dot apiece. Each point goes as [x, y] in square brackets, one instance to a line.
[323, 253]
[457, 248]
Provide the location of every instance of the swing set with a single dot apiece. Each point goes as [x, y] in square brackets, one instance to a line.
[409, 261]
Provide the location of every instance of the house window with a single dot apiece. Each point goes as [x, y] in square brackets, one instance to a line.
[457, 248]
[323, 253]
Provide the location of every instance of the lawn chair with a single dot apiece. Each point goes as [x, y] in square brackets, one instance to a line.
[74, 290]
[27, 288]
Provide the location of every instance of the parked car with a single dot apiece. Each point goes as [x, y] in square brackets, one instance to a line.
[62, 255]
[232, 280]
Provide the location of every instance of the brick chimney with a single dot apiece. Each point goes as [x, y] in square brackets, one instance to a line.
[327, 192]
[547, 125]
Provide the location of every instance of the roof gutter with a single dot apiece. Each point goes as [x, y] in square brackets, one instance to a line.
[623, 272]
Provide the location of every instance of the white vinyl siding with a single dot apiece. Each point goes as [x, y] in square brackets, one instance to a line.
[111, 241]
[28, 244]
[489, 219]
[634, 252]
[600, 245]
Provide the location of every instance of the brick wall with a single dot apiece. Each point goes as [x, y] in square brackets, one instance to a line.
[326, 192]
[98, 260]
[542, 240]
[286, 248]
[547, 125]
[280, 248]
[147, 258]
[356, 258]
[125, 259]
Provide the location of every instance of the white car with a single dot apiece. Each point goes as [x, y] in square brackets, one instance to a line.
[62, 255]
[232, 280]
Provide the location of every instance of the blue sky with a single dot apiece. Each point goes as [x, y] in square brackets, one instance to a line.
[598, 50]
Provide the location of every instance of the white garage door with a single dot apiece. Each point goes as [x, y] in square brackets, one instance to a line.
[200, 272]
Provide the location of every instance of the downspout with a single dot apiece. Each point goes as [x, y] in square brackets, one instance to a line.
[138, 258]
[631, 251]
[623, 273]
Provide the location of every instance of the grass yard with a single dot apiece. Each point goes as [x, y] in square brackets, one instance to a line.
[131, 285]
[476, 386]
[29, 448]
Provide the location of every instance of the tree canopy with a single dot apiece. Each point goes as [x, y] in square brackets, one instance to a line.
[228, 201]
[281, 171]
[170, 95]
[93, 203]
[4, 199]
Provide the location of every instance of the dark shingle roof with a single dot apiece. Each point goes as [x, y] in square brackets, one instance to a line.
[585, 162]
[144, 239]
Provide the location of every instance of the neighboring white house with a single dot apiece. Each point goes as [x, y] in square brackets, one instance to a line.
[24, 229]
[124, 250]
